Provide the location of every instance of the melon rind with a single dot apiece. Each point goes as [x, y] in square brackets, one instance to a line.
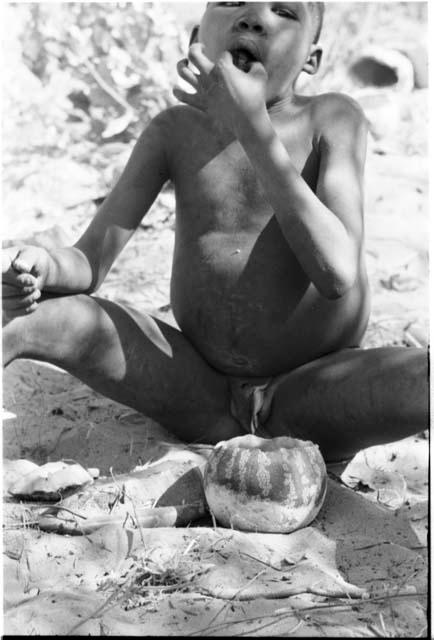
[272, 485]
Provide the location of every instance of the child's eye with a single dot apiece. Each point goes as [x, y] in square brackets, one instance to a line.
[230, 4]
[285, 13]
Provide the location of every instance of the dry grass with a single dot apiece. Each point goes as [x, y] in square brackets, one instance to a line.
[147, 579]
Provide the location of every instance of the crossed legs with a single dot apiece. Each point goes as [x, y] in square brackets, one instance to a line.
[131, 358]
[346, 401]
[354, 399]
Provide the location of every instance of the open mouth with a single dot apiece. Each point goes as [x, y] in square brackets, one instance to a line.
[243, 57]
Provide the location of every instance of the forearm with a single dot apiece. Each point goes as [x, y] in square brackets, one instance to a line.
[315, 234]
[68, 271]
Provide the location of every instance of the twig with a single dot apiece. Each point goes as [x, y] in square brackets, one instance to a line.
[357, 603]
[383, 626]
[94, 614]
[106, 87]
[229, 601]
[369, 546]
[21, 525]
[343, 605]
[269, 624]
[267, 564]
[422, 632]
[139, 526]
[73, 513]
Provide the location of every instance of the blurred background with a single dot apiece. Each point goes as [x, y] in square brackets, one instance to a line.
[82, 80]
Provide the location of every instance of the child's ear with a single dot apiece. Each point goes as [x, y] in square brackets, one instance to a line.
[311, 65]
[194, 35]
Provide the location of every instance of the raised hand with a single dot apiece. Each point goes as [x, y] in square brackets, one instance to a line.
[228, 94]
[24, 271]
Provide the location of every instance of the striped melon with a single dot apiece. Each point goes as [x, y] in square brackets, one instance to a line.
[271, 485]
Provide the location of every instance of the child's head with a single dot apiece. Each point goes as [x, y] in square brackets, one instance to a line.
[317, 9]
[283, 36]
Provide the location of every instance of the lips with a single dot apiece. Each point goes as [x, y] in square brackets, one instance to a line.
[244, 53]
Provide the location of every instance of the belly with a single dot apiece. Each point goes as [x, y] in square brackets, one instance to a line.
[246, 305]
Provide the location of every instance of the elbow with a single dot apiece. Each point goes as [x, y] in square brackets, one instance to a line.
[337, 285]
[97, 280]
[335, 292]
[92, 289]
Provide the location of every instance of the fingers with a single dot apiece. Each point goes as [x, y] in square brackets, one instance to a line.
[20, 291]
[8, 256]
[186, 73]
[17, 259]
[199, 59]
[226, 63]
[8, 314]
[226, 59]
[20, 285]
[25, 303]
[12, 290]
[188, 98]
[21, 264]
[27, 259]
[25, 282]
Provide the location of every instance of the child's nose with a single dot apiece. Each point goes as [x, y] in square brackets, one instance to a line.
[250, 22]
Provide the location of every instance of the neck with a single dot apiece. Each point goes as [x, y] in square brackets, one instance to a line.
[278, 104]
[285, 98]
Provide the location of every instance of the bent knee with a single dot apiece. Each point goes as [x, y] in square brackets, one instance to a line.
[67, 326]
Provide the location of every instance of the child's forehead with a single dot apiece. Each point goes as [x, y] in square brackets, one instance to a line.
[316, 10]
[311, 6]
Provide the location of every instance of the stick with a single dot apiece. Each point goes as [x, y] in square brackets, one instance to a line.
[334, 605]
[106, 87]
[177, 515]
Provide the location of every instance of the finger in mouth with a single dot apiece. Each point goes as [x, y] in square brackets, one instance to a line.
[243, 58]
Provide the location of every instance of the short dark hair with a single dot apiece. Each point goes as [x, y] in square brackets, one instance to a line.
[318, 9]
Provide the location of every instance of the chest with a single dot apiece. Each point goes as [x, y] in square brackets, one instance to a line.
[217, 173]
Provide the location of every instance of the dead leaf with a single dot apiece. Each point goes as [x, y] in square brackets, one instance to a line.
[398, 282]
[14, 471]
[50, 481]
[390, 487]
[118, 125]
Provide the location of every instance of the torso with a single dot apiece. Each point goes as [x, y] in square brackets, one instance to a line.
[238, 292]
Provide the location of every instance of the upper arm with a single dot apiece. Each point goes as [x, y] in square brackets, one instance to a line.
[342, 150]
[135, 191]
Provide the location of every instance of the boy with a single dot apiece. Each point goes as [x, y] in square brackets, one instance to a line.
[269, 284]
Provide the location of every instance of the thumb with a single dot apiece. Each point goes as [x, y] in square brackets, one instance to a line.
[8, 257]
[258, 70]
[226, 58]
[26, 260]
[224, 65]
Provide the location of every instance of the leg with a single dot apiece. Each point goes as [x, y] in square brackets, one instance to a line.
[353, 399]
[129, 357]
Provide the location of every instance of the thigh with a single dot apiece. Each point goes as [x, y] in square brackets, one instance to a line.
[165, 377]
[139, 361]
[353, 399]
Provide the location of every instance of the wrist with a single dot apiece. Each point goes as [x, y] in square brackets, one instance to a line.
[254, 126]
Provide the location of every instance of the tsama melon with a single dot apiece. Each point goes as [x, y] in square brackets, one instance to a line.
[271, 485]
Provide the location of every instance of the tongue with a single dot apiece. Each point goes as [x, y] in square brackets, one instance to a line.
[242, 60]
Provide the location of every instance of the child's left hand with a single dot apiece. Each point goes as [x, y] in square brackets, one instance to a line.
[226, 93]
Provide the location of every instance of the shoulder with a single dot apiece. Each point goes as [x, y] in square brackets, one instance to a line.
[175, 116]
[171, 124]
[336, 116]
[331, 106]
